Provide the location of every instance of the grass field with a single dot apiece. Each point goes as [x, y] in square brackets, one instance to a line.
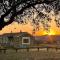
[31, 55]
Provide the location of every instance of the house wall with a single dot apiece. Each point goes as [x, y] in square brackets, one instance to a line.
[26, 45]
[16, 41]
[0, 39]
[5, 40]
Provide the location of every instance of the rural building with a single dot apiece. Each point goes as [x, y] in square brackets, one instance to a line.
[22, 39]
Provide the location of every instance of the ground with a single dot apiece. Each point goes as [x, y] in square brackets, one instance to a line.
[43, 54]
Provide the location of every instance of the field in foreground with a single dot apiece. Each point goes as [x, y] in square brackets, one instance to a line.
[31, 55]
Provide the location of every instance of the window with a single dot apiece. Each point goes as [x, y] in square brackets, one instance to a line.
[25, 40]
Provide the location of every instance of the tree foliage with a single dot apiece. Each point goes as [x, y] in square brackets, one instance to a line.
[38, 11]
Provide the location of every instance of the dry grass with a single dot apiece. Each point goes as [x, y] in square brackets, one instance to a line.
[31, 55]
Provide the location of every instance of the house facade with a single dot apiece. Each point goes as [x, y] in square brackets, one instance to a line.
[25, 40]
[17, 40]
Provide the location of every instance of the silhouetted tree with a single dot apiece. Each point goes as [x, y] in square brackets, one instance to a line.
[15, 10]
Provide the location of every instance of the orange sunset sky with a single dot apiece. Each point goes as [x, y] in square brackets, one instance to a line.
[15, 27]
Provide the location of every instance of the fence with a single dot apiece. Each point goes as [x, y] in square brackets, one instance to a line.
[27, 49]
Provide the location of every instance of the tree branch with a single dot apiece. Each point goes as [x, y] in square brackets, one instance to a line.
[2, 23]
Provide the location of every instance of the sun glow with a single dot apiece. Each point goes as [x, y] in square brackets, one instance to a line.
[51, 32]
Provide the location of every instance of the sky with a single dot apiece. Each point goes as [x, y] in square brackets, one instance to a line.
[14, 27]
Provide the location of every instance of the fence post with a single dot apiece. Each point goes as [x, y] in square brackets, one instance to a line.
[38, 49]
[0, 50]
[56, 49]
[16, 50]
[47, 48]
[27, 49]
[4, 51]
